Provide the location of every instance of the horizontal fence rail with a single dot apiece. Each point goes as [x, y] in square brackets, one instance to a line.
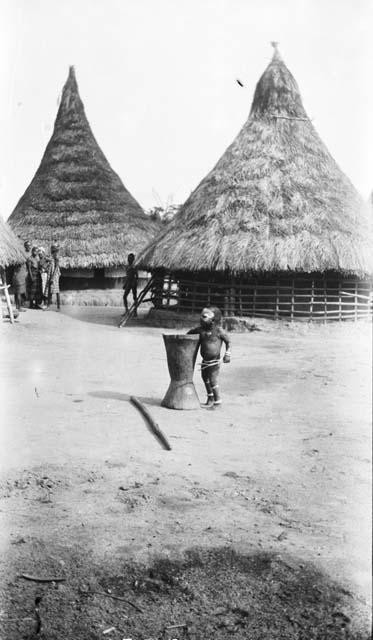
[298, 298]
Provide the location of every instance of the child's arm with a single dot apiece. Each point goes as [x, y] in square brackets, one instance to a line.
[226, 339]
[196, 330]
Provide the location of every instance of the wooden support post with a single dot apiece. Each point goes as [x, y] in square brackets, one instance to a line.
[339, 302]
[208, 294]
[277, 300]
[254, 301]
[4, 287]
[179, 290]
[158, 290]
[168, 299]
[240, 300]
[292, 301]
[312, 298]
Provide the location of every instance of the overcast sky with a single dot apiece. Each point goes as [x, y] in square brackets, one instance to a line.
[157, 78]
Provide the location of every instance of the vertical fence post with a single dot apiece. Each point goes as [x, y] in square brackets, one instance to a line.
[277, 300]
[254, 300]
[356, 302]
[168, 299]
[232, 297]
[312, 298]
[194, 291]
[339, 302]
[325, 303]
[292, 301]
[226, 302]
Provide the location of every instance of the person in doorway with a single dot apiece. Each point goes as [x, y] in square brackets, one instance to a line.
[211, 339]
[33, 278]
[27, 247]
[130, 282]
[43, 271]
[54, 274]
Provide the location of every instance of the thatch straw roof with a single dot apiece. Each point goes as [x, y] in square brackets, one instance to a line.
[275, 201]
[75, 198]
[11, 250]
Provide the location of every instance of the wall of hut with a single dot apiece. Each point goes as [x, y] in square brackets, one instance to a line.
[295, 296]
[82, 279]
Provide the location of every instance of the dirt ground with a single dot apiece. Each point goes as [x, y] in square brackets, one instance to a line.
[255, 525]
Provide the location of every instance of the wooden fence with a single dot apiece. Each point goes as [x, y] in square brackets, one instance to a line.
[313, 299]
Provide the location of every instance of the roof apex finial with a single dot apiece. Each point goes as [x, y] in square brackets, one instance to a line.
[276, 53]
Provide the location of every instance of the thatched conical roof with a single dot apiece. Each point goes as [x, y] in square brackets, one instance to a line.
[11, 250]
[77, 200]
[275, 201]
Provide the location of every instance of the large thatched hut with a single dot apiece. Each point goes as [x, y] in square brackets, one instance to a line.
[275, 229]
[77, 201]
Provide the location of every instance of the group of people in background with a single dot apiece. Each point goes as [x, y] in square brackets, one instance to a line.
[37, 279]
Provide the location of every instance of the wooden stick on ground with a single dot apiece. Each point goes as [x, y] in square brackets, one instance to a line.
[111, 595]
[26, 576]
[151, 423]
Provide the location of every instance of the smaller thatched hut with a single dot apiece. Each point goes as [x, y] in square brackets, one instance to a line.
[275, 228]
[11, 250]
[77, 201]
[11, 255]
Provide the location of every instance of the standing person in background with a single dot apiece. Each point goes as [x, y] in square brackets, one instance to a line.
[43, 270]
[54, 273]
[130, 282]
[33, 278]
[19, 285]
[27, 247]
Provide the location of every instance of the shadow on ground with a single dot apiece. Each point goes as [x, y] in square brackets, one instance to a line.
[103, 315]
[207, 594]
[124, 397]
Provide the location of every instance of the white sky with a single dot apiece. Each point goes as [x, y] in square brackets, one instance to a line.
[157, 78]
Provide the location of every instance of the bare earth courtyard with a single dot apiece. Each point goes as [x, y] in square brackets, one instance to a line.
[255, 525]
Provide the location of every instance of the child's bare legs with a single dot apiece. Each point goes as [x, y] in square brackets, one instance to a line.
[205, 373]
[214, 382]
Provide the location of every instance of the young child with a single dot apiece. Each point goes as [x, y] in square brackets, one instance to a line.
[130, 283]
[211, 339]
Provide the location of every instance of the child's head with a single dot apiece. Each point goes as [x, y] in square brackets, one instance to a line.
[207, 317]
[131, 258]
[41, 252]
[210, 316]
[27, 245]
[34, 252]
